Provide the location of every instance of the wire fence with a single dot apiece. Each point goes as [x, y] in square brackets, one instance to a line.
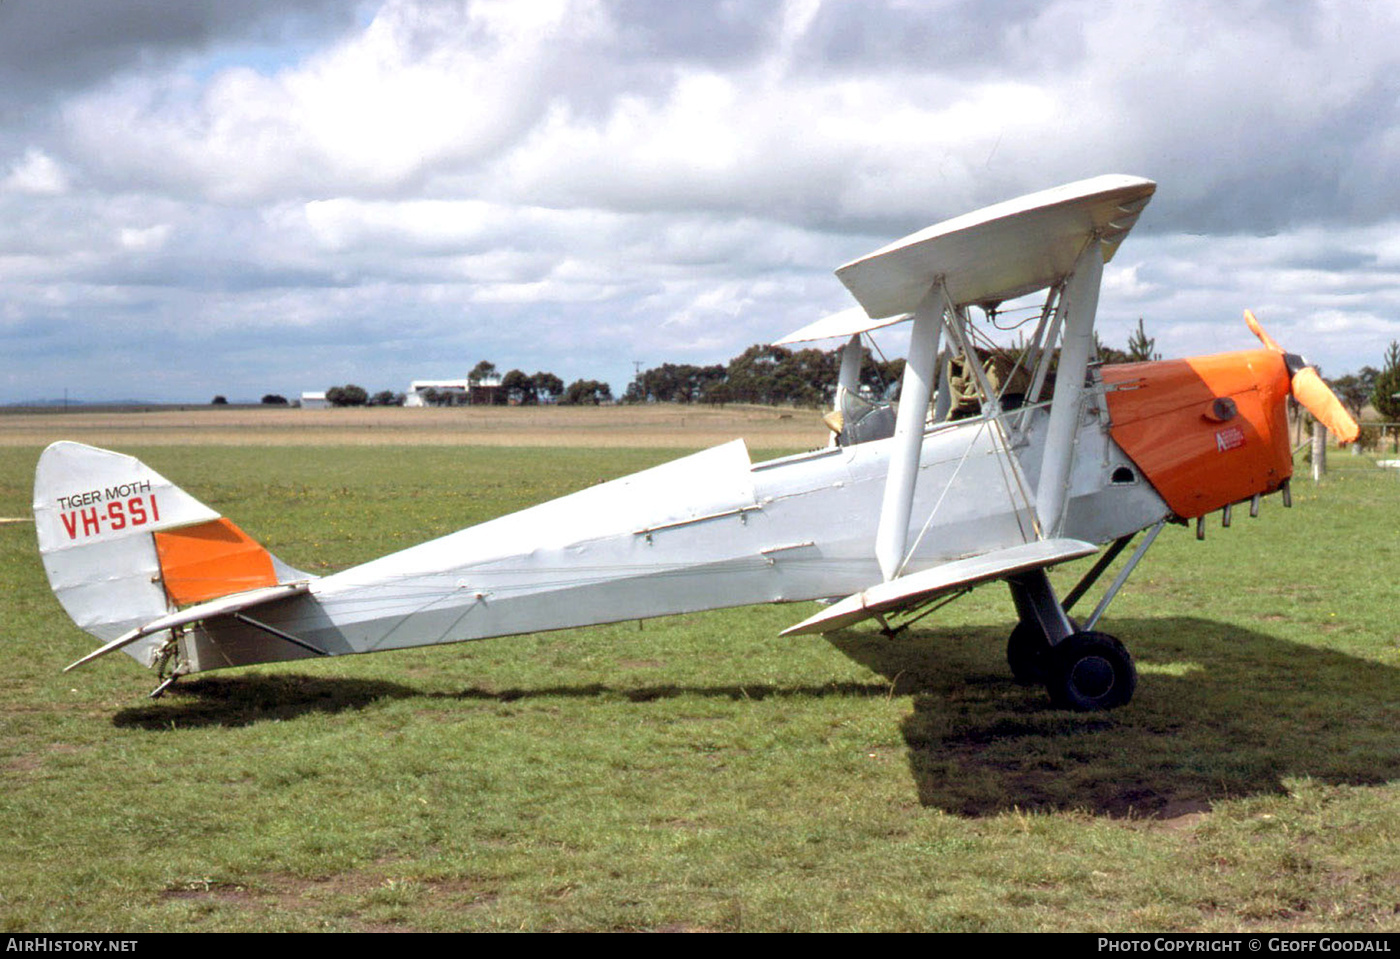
[1378, 450]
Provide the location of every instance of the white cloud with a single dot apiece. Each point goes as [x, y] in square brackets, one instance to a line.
[423, 87]
[586, 182]
[37, 174]
[144, 239]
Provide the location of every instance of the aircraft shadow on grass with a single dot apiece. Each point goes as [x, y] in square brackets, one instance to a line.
[1221, 712]
[243, 700]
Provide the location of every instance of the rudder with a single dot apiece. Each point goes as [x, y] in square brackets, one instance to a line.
[122, 545]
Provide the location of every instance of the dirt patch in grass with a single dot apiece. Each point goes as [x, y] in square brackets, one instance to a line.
[348, 896]
[356, 894]
[21, 764]
[1182, 815]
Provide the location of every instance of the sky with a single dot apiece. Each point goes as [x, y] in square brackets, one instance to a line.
[200, 197]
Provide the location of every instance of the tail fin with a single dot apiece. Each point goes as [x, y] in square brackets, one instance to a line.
[123, 546]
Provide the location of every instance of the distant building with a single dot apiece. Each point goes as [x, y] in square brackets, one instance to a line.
[314, 401]
[458, 392]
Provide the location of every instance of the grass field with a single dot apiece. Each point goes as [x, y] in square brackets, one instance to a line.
[698, 772]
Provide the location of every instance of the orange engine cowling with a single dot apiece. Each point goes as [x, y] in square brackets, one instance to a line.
[1206, 431]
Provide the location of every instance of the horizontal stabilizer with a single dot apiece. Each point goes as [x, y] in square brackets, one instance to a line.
[916, 588]
[193, 614]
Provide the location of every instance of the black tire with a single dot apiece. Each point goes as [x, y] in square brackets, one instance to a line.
[1026, 649]
[1088, 672]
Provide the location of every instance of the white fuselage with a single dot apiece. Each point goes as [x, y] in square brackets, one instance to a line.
[706, 531]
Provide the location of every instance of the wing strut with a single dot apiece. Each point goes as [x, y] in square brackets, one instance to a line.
[1042, 350]
[936, 312]
[893, 532]
[1077, 306]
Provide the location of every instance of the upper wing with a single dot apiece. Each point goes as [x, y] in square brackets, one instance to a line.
[1000, 252]
[843, 324]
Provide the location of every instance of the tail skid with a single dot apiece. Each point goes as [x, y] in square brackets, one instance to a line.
[124, 549]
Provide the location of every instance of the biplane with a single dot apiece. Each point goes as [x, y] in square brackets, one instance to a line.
[907, 507]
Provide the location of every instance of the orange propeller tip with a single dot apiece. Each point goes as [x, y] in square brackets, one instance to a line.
[1257, 329]
[1319, 400]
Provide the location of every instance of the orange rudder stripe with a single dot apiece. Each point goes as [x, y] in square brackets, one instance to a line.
[210, 560]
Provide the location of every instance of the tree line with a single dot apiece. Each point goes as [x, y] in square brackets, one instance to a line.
[1379, 387]
[349, 395]
[515, 388]
[777, 376]
[762, 374]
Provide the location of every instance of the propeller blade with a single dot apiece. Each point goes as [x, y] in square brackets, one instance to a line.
[1258, 331]
[1309, 389]
[1319, 400]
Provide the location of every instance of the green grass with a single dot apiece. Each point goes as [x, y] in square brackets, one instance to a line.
[700, 772]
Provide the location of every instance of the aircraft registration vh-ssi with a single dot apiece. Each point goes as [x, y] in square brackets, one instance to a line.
[997, 473]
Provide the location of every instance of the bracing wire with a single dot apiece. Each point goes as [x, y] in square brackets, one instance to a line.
[992, 315]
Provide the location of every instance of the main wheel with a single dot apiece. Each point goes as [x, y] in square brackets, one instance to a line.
[1026, 649]
[1089, 671]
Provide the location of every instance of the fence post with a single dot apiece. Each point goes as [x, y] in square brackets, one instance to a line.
[1319, 451]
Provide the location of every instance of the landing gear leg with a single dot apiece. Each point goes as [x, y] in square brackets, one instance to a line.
[169, 653]
[1082, 670]
[1042, 625]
